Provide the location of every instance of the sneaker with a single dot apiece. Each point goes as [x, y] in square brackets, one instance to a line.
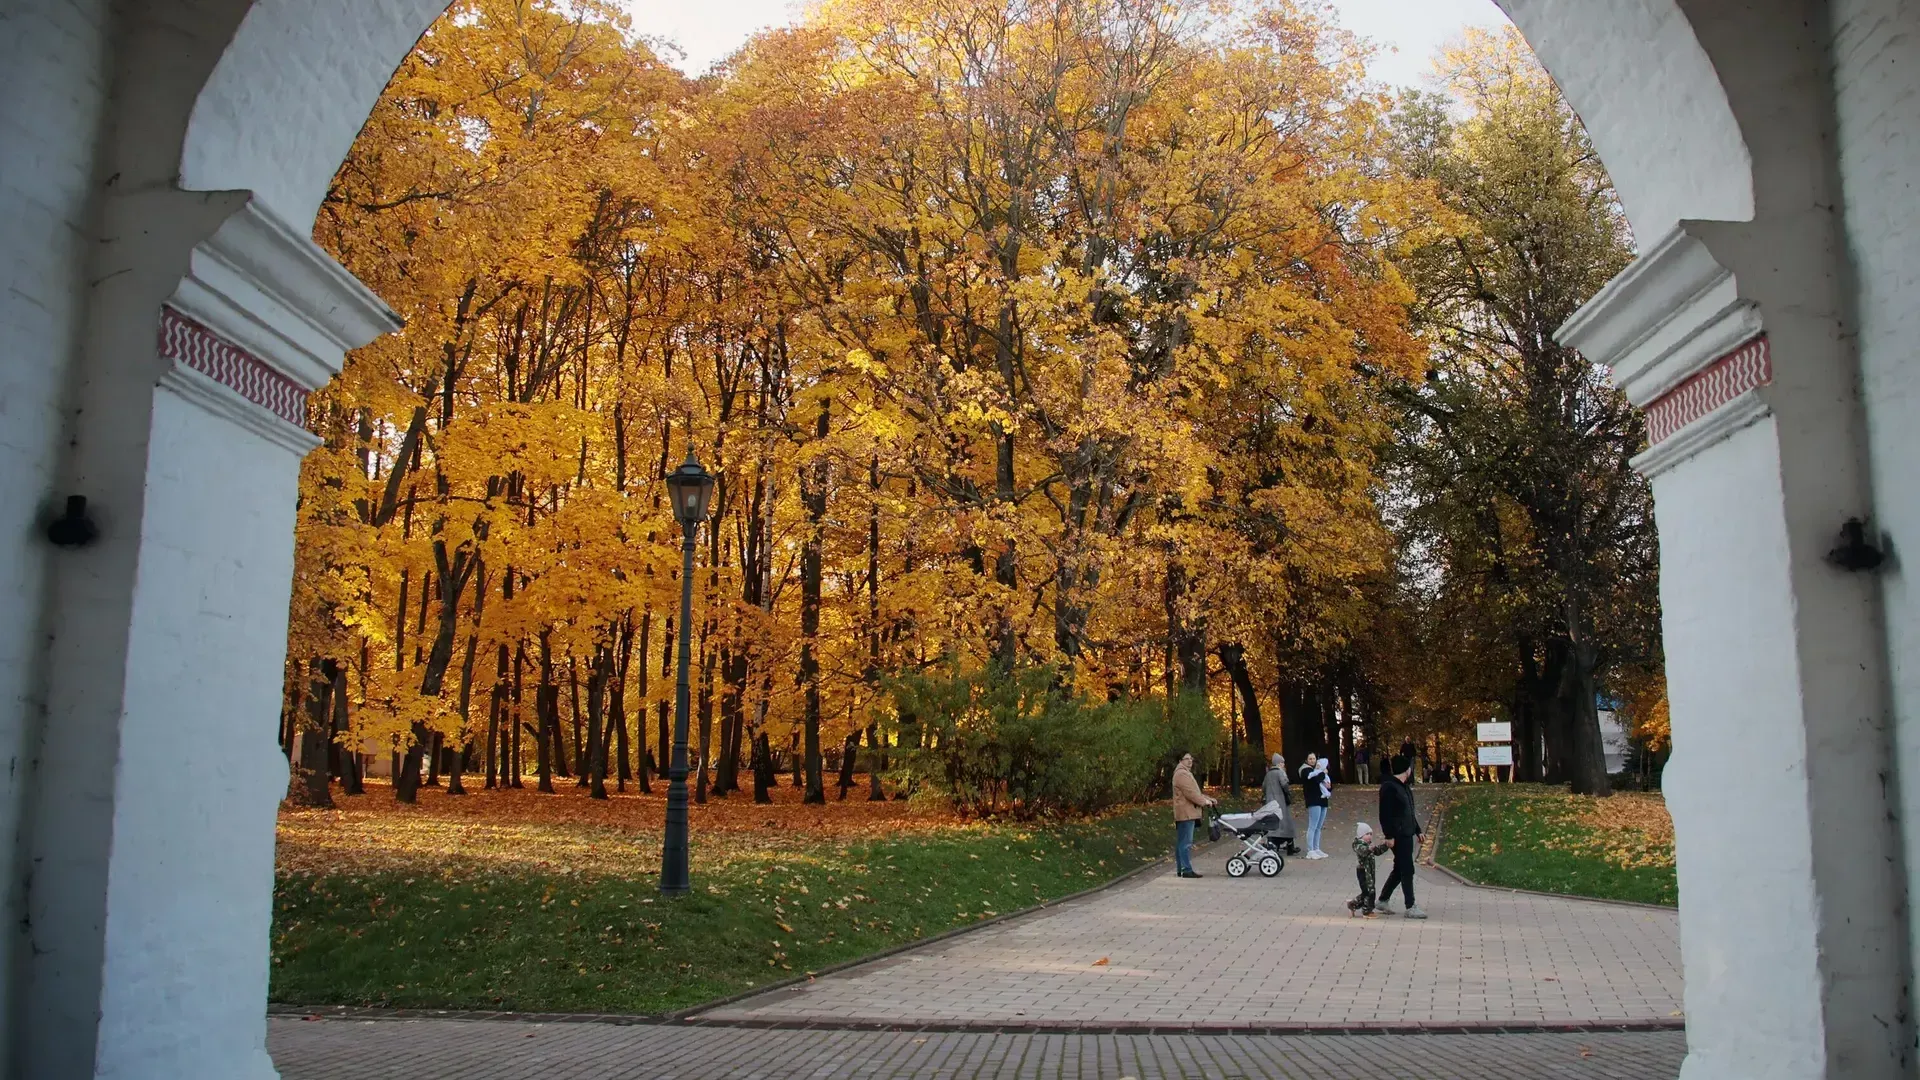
[1370, 914]
[1414, 912]
[1353, 907]
[1385, 908]
[1196, 873]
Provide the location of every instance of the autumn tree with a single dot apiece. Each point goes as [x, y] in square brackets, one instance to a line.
[1527, 530]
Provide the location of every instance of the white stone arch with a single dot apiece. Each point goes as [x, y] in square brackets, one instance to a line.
[290, 94]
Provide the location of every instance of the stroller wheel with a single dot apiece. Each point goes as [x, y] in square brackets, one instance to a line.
[1237, 866]
[1270, 865]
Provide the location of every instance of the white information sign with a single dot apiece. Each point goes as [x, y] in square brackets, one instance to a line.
[1496, 755]
[1499, 732]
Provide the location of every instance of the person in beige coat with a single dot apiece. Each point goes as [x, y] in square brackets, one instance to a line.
[1188, 804]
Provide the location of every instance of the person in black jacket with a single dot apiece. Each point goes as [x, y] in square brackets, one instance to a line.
[1401, 826]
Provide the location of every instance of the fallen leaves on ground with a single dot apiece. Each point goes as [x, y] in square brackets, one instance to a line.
[567, 832]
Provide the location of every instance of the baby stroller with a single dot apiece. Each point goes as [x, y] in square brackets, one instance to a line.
[1263, 835]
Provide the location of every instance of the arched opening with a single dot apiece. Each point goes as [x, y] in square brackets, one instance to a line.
[1720, 138]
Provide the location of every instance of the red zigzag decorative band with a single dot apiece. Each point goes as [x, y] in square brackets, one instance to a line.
[1705, 390]
[185, 341]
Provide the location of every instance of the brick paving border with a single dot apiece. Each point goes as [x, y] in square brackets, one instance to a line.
[443, 1050]
[994, 1027]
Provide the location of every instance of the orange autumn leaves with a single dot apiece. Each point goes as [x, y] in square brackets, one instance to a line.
[1013, 314]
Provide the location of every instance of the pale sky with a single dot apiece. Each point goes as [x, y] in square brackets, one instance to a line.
[1408, 31]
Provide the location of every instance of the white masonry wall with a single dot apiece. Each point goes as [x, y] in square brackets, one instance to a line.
[53, 81]
[193, 841]
[1876, 51]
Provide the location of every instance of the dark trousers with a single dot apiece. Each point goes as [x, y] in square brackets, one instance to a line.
[1403, 848]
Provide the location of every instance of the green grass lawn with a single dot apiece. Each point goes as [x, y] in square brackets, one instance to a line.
[475, 934]
[1530, 837]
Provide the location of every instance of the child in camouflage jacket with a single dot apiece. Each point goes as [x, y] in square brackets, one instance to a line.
[1364, 851]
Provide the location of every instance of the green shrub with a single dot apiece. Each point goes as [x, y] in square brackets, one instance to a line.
[994, 741]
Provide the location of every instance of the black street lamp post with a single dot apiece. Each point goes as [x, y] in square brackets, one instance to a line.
[690, 488]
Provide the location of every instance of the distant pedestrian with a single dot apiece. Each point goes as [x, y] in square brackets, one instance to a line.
[1316, 791]
[1401, 824]
[1361, 773]
[1188, 804]
[1274, 790]
[1365, 850]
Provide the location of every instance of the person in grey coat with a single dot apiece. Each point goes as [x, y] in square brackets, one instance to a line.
[1274, 790]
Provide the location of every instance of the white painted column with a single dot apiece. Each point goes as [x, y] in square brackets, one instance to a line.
[1792, 914]
[158, 774]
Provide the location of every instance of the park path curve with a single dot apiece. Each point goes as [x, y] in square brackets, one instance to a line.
[1282, 952]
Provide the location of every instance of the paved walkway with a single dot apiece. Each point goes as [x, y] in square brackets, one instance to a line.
[1279, 960]
[500, 1050]
[1279, 952]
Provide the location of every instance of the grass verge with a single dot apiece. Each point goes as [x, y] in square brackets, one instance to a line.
[463, 923]
[1526, 836]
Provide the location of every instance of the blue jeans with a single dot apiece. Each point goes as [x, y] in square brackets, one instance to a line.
[1183, 845]
[1316, 817]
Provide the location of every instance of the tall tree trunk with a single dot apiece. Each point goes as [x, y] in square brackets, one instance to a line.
[517, 761]
[497, 699]
[617, 704]
[876, 763]
[546, 703]
[308, 781]
[705, 711]
[1233, 656]
[1586, 752]
[762, 769]
[1329, 723]
[597, 678]
[661, 710]
[642, 766]
[813, 494]
[733, 692]
[1346, 731]
[343, 728]
[1189, 635]
[580, 749]
[455, 569]
[848, 752]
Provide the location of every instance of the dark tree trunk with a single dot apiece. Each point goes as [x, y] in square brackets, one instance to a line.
[849, 751]
[813, 494]
[642, 762]
[496, 705]
[876, 763]
[703, 710]
[596, 763]
[517, 761]
[617, 707]
[455, 570]
[580, 748]
[1233, 656]
[1346, 732]
[546, 710]
[343, 728]
[1299, 721]
[762, 769]
[308, 785]
[733, 692]
[1189, 634]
